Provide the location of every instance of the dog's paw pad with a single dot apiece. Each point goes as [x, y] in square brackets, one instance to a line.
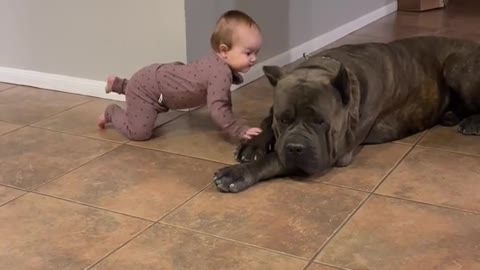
[470, 125]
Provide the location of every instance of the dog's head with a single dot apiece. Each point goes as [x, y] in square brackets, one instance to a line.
[312, 114]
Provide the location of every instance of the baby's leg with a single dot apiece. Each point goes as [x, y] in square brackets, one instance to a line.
[136, 123]
[116, 84]
[138, 120]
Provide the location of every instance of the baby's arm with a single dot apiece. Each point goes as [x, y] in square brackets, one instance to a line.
[219, 104]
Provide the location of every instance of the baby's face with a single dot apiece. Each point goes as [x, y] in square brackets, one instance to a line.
[247, 42]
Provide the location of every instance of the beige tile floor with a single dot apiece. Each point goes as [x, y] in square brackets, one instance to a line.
[74, 197]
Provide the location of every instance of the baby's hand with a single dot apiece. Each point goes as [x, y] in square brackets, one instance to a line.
[252, 132]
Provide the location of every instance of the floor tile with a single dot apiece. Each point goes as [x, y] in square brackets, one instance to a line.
[400, 235]
[468, 26]
[369, 167]
[7, 194]
[253, 101]
[317, 266]
[5, 86]
[284, 215]
[25, 105]
[32, 156]
[164, 247]
[45, 233]
[389, 32]
[453, 33]
[139, 182]
[354, 39]
[196, 135]
[7, 127]
[82, 120]
[434, 19]
[437, 177]
[449, 139]
[413, 139]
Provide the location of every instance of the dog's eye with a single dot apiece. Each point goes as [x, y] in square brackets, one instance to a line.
[318, 121]
[284, 121]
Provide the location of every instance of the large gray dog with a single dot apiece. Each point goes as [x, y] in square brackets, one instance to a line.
[344, 97]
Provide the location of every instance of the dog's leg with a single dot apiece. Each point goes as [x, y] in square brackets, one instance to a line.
[460, 73]
[239, 177]
[449, 119]
[259, 145]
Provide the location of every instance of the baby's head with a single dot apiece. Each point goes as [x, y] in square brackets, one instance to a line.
[237, 40]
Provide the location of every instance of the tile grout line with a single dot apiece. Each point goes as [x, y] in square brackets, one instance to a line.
[182, 155]
[416, 144]
[234, 241]
[329, 265]
[3, 204]
[121, 245]
[448, 151]
[79, 135]
[32, 190]
[429, 204]
[90, 205]
[160, 222]
[336, 231]
[184, 202]
[73, 169]
[15, 129]
[9, 88]
[142, 231]
[59, 112]
[349, 217]
[342, 186]
[400, 161]
[342, 225]
[14, 187]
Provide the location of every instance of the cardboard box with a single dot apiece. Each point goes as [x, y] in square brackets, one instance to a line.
[420, 5]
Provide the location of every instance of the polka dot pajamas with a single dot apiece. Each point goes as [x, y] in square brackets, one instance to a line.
[137, 122]
[160, 87]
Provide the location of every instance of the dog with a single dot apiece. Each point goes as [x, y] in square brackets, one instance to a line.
[351, 95]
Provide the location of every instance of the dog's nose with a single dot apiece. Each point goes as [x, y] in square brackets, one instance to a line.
[296, 148]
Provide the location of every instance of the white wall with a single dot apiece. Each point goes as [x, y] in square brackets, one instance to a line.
[90, 38]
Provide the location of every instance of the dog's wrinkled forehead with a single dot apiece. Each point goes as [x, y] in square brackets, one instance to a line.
[315, 73]
[307, 79]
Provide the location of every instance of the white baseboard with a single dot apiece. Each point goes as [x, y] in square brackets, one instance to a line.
[96, 88]
[56, 82]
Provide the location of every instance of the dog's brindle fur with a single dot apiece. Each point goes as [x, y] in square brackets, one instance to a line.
[344, 97]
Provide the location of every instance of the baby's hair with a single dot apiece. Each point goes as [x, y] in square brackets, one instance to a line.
[224, 28]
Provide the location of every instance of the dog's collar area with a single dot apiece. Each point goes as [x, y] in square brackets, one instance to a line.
[306, 56]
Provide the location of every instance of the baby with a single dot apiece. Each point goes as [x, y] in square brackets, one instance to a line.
[158, 88]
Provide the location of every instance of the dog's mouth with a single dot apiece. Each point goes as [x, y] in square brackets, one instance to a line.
[308, 162]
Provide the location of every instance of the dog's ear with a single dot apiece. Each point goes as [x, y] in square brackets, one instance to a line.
[341, 83]
[273, 73]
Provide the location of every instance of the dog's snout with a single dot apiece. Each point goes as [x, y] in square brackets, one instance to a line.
[295, 148]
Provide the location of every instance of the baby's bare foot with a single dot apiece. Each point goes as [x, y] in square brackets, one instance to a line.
[102, 121]
[109, 86]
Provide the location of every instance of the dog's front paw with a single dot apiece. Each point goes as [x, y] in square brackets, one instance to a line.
[470, 125]
[251, 151]
[232, 179]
